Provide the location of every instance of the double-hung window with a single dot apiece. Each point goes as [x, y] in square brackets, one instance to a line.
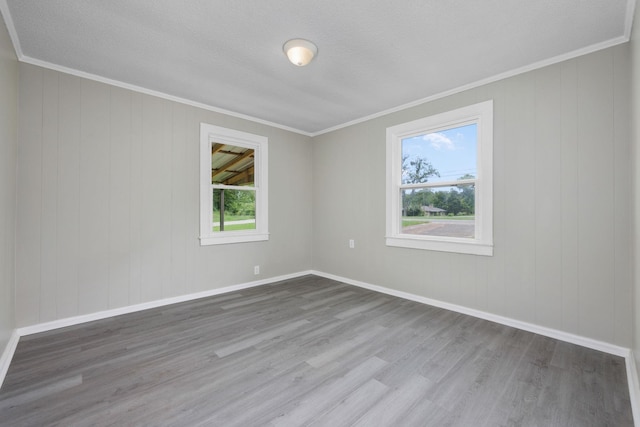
[439, 182]
[233, 186]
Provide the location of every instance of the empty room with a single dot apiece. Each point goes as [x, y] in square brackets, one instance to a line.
[336, 213]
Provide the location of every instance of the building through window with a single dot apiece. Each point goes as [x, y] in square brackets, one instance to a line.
[233, 186]
[439, 182]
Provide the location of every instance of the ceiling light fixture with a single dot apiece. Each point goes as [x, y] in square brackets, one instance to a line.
[299, 51]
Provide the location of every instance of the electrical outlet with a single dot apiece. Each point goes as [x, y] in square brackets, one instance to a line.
[352, 243]
[256, 270]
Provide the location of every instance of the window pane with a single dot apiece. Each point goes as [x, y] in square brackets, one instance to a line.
[234, 210]
[447, 155]
[439, 211]
[232, 165]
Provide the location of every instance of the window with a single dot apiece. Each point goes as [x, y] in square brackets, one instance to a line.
[439, 182]
[233, 186]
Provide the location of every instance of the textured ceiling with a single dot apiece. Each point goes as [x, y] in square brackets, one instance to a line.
[373, 56]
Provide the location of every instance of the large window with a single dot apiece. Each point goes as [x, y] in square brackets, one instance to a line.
[439, 182]
[233, 186]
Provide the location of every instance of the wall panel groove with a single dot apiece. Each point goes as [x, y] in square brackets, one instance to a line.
[561, 220]
[108, 201]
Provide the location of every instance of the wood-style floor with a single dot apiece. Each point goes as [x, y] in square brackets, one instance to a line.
[308, 351]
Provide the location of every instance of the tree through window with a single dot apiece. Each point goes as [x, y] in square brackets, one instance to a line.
[233, 186]
[439, 172]
[438, 208]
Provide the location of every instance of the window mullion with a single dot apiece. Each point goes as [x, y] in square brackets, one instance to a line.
[423, 159]
[234, 170]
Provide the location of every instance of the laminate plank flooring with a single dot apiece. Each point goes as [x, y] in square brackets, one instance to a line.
[308, 351]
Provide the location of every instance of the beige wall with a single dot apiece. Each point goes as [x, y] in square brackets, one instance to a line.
[108, 200]
[8, 138]
[562, 203]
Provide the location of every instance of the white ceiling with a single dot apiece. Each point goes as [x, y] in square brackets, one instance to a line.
[374, 55]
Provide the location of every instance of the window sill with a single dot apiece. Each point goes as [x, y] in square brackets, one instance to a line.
[460, 246]
[238, 238]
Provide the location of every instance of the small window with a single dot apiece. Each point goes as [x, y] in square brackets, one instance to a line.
[439, 182]
[233, 186]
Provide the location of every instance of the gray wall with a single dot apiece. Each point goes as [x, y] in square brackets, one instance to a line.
[635, 122]
[8, 120]
[108, 200]
[562, 203]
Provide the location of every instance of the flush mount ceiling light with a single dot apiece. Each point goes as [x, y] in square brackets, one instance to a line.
[299, 51]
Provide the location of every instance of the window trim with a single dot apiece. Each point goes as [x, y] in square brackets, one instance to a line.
[482, 243]
[208, 135]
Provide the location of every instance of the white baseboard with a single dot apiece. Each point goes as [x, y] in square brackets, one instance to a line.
[76, 320]
[632, 374]
[10, 349]
[541, 330]
[7, 355]
[634, 387]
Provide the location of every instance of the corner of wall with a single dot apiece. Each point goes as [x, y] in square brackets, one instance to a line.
[634, 361]
[8, 165]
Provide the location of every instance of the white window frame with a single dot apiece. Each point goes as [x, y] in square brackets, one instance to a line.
[210, 134]
[482, 243]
